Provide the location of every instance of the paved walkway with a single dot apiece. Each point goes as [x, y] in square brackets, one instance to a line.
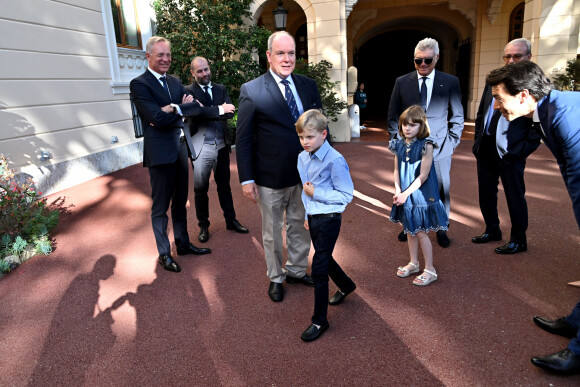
[100, 311]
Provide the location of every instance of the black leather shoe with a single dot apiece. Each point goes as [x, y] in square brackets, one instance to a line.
[306, 280]
[485, 237]
[203, 234]
[237, 227]
[511, 248]
[191, 249]
[442, 238]
[168, 263]
[313, 333]
[558, 327]
[276, 292]
[564, 362]
[338, 297]
[402, 237]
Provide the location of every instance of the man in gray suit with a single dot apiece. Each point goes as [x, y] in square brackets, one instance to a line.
[212, 146]
[439, 95]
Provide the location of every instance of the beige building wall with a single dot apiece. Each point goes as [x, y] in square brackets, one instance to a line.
[553, 28]
[56, 94]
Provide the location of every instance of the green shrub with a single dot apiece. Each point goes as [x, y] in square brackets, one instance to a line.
[24, 217]
[569, 78]
[331, 105]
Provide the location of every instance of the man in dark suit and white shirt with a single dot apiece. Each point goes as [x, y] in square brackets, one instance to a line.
[440, 96]
[212, 145]
[501, 149]
[267, 148]
[162, 101]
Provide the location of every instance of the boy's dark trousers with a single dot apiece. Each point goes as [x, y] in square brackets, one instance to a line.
[324, 230]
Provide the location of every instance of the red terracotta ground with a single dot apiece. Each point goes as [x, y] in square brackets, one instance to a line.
[100, 311]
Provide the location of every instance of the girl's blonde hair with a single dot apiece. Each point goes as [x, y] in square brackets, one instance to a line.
[414, 115]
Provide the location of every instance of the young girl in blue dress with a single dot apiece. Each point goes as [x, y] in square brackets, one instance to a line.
[416, 203]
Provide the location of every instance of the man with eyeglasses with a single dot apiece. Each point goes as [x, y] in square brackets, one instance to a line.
[439, 95]
[501, 149]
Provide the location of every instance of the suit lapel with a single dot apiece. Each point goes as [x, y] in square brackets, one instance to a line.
[274, 91]
[160, 92]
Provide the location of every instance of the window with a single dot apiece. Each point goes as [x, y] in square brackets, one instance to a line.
[125, 23]
[517, 22]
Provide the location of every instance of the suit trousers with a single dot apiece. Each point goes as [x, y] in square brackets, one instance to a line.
[324, 233]
[443, 169]
[490, 167]
[274, 204]
[169, 184]
[217, 158]
[574, 320]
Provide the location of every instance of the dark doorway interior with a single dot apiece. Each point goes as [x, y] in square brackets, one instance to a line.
[381, 60]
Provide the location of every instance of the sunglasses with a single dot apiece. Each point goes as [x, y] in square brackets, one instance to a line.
[428, 61]
[515, 56]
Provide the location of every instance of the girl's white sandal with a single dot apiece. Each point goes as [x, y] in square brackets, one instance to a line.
[403, 272]
[421, 280]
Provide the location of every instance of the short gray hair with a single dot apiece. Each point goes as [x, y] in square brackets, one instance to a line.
[154, 40]
[428, 44]
[278, 34]
[522, 41]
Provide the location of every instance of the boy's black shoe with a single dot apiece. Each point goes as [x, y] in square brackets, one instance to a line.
[312, 332]
[339, 297]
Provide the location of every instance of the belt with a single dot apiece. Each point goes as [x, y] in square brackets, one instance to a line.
[333, 215]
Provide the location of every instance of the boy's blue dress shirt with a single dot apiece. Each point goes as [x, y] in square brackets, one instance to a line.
[329, 174]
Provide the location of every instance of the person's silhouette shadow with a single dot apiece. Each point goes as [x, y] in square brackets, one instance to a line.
[75, 337]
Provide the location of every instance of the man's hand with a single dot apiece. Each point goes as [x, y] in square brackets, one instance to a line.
[250, 191]
[306, 224]
[308, 188]
[187, 98]
[167, 109]
[228, 108]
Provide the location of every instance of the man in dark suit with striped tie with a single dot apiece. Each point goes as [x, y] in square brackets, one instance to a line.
[267, 148]
[162, 102]
[501, 149]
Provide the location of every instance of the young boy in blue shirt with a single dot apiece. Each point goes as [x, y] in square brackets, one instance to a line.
[327, 190]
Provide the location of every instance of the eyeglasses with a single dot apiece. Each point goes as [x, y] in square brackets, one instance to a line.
[428, 61]
[516, 57]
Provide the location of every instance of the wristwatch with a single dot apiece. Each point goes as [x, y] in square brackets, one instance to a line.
[174, 106]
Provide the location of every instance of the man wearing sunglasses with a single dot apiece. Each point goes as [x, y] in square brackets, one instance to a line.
[439, 95]
[501, 149]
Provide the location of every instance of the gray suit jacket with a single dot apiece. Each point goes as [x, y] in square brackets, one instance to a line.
[444, 113]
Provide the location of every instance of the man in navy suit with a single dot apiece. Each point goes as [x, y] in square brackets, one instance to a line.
[267, 148]
[212, 145]
[162, 102]
[522, 90]
[440, 96]
[501, 149]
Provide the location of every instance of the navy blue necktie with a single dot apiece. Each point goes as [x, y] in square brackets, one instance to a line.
[290, 100]
[164, 81]
[424, 93]
[206, 91]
